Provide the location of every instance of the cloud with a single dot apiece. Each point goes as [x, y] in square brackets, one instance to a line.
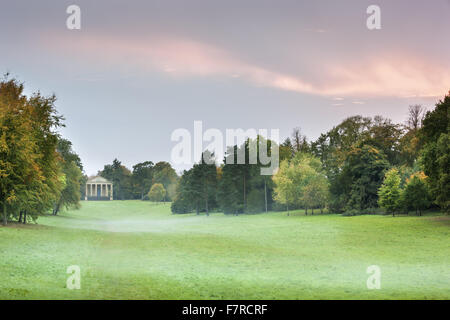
[395, 75]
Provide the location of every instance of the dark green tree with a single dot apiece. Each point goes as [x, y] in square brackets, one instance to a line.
[142, 177]
[435, 153]
[70, 194]
[72, 170]
[416, 195]
[164, 173]
[121, 178]
[363, 172]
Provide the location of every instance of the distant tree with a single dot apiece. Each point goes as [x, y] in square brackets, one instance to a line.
[236, 180]
[362, 175]
[164, 173]
[443, 183]
[300, 182]
[435, 153]
[416, 114]
[231, 189]
[416, 194]
[72, 177]
[409, 144]
[157, 193]
[286, 190]
[315, 192]
[206, 173]
[286, 150]
[390, 192]
[172, 190]
[409, 147]
[299, 141]
[121, 178]
[333, 148]
[142, 177]
[182, 201]
[384, 135]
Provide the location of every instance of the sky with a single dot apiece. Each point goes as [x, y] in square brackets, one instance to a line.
[138, 70]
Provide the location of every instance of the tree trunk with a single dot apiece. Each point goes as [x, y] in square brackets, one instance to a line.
[245, 204]
[20, 216]
[206, 205]
[56, 208]
[321, 210]
[306, 211]
[25, 217]
[5, 220]
[287, 207]
[265, 193]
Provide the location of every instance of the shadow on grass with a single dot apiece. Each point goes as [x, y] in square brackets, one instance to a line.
[32, 225]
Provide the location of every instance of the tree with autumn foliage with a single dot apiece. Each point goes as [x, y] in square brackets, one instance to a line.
[30, 170]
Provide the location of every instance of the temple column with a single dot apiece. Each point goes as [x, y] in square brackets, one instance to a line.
[85, 193]
[111, 197]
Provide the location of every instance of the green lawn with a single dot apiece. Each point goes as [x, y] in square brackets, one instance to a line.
[138, 250]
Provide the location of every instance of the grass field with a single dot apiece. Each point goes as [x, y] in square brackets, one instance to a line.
[138, 250]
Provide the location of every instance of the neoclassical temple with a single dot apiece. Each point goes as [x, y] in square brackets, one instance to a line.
[99, 188]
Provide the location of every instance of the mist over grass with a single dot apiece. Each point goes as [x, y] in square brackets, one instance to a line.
[139, 250]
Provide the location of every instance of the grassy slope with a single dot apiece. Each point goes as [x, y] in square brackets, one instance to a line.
[138, 250]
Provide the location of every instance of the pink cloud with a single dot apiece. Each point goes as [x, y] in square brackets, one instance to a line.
[399, 76]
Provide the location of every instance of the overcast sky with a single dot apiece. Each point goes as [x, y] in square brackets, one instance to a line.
[138, 70]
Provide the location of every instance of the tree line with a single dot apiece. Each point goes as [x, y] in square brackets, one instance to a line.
[39, 171]
[139, 182]
[362, 165]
